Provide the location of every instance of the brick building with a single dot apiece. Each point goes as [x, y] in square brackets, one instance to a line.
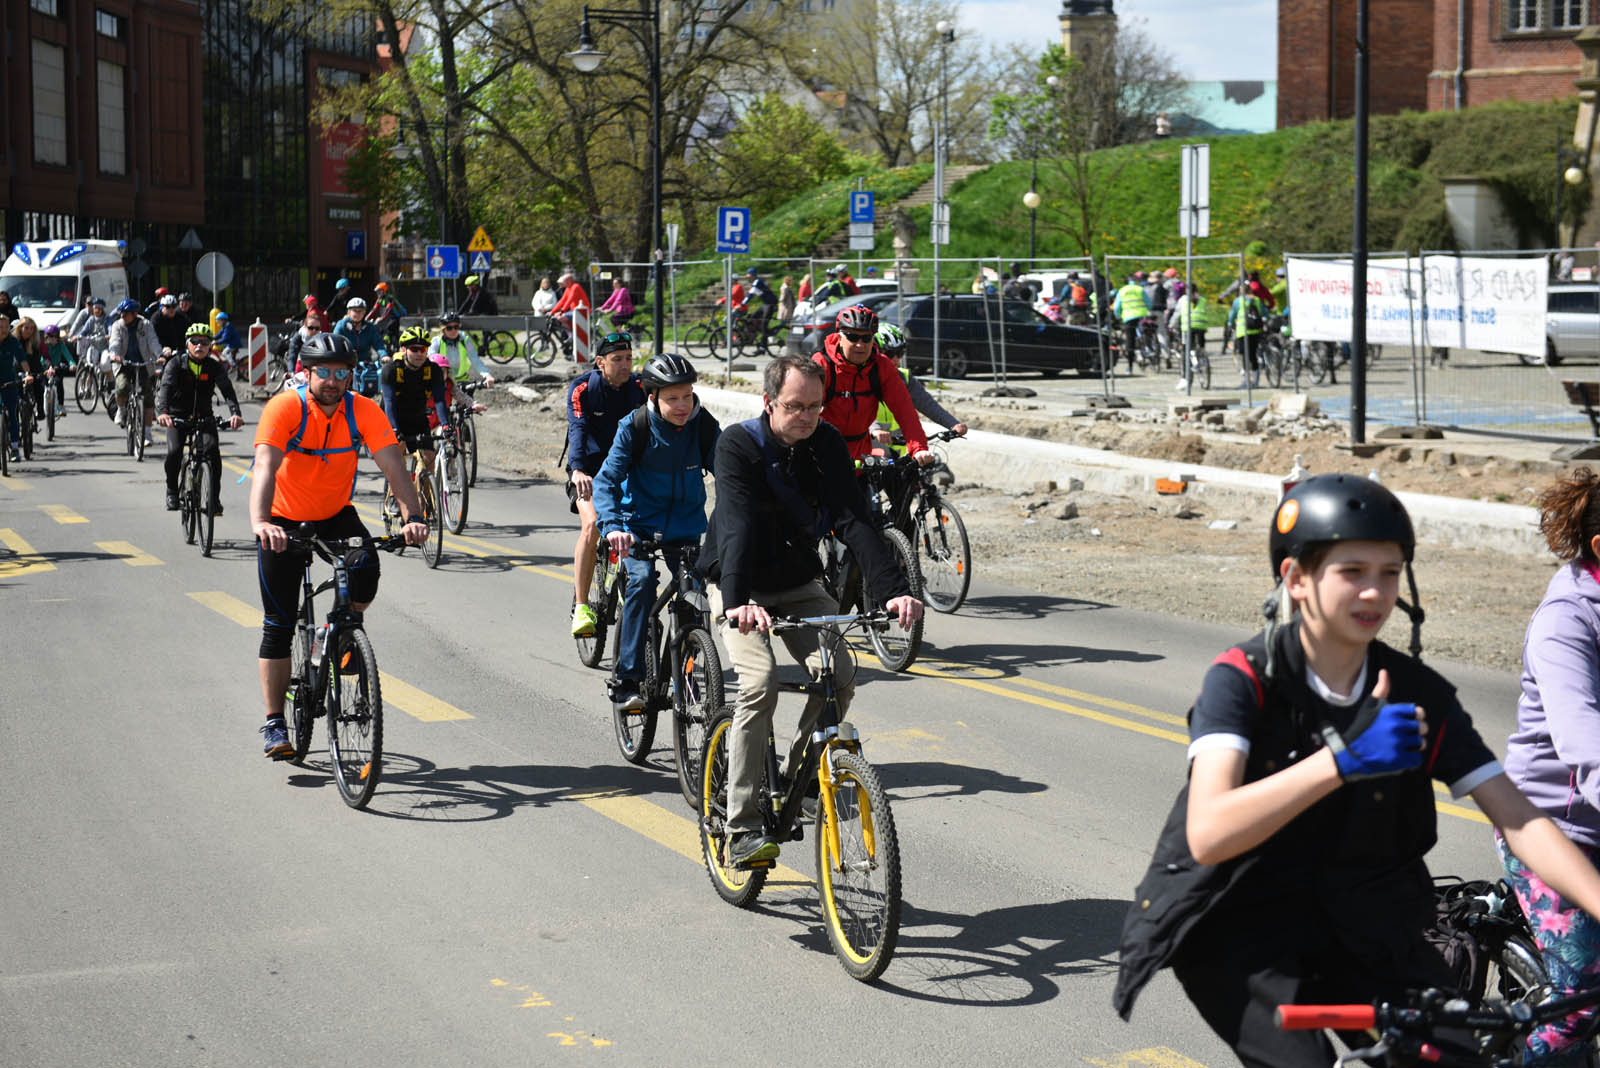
[136, 120]
[1422, 59]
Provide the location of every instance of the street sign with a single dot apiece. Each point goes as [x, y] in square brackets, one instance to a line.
[191, 241]
[733, 230]
[861, 229]
[355, 244]
[444, 261]
[1194, 192]
[940, 230]
[861, 206]
[862, 244]
[480, 261]
[480, 242]
[672, 242]
[215, 271]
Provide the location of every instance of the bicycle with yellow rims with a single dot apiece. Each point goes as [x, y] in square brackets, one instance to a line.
[857, 848]
[429, 493]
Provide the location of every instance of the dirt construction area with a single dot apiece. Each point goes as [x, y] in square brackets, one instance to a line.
[1163, 554]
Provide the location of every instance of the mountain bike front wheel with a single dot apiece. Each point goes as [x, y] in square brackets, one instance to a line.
[204, 497]
[696, 698]
[858, 879]
[355, 716]
[945, 556]
[433, 548]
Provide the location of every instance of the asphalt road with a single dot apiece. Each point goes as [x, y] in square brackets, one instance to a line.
[516, 893]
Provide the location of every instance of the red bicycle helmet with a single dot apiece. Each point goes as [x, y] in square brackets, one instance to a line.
[858, 319]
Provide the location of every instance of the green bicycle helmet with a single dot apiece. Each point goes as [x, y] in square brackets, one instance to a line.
[891, 341]
[198, 330]
[414, 335]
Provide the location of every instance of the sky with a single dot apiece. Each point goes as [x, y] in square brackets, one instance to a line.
[1219, 40]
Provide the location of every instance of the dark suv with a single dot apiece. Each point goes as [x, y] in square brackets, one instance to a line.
[808, 333]
[970, 332]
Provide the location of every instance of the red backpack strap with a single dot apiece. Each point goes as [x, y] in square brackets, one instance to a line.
[1236, 659]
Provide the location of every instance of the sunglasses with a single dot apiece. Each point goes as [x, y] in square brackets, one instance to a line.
[338, 374]
[612, 339]
[416, 348]
[859, 339]
[451, 326]
[199, 341]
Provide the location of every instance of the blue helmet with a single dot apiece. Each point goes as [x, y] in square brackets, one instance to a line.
[341, 283]
[126, 305]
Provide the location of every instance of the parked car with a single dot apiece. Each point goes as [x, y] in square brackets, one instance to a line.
[970, 329]
[869, 286]
[1571, 322]
[808, 334]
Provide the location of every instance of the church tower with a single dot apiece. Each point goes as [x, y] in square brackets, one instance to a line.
[1087, 26]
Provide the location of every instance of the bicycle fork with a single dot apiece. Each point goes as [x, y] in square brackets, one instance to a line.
[842, 738]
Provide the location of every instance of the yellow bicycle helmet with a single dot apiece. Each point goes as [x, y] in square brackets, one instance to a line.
[414, 335]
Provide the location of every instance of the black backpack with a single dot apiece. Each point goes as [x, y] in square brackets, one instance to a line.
[1253, 319]
[641, 433]
[874, 384]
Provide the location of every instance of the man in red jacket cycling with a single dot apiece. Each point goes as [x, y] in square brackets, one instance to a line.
[858, 376]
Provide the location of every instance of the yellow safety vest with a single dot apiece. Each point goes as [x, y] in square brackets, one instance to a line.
[1132, 301]
[1195, 313]
[886, 418]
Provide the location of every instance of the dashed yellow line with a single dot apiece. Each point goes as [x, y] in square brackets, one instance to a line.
[131, 554]
[480, 549]
[680, 835]
[61, 513]
[18, 484]
[27, 559]
[1155, 1057]
[396, 692]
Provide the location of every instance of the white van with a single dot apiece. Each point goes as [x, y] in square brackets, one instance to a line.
[48, 280]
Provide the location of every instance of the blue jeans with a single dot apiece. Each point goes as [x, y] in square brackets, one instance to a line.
[11, 396]
[637, 600]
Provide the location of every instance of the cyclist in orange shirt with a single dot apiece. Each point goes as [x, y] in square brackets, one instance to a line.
[305, 472]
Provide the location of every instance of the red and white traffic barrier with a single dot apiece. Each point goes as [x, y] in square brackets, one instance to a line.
[580, 334]
[257, 346]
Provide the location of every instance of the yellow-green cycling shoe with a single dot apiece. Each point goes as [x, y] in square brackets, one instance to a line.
[583, 621]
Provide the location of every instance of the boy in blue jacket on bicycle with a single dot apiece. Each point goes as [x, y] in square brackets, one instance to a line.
[652, 486]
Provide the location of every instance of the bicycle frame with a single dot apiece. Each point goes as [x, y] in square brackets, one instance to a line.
[685, 595]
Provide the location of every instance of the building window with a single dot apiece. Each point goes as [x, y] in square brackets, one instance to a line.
[1568, 14]
[49, 103]
[110, 90]
[1522, 15]
[108, 25]
[44, 7]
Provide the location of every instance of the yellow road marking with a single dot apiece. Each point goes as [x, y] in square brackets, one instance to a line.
[1155, 1057]
[396, 692]
[225, 604]
[12, 482]
[61, 513]
[131, 554]
[680, 835]
[470, 546]
[413, 702]
[27, 559]
[1108, 702]
[1062, 706]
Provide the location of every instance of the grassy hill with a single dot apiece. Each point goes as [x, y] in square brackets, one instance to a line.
[1290, 190]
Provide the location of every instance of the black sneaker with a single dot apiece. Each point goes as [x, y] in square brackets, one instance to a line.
[216, 508]
[751, 847]
[277, 745]
[172, 502]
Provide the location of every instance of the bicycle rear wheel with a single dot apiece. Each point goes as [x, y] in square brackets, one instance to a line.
[433, 548]
[302, 702]
[355, 716]
[635, 728]
[696, 697]
[468, 444]
[945, 557]
[860, 883]
[738, 887]
[500, 346]
[896, 647]
[206, 507]
[85, 393]
[28, 421]
[541, 348]
[450, 470]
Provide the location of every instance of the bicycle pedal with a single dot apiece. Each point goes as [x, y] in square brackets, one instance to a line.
[753, 865]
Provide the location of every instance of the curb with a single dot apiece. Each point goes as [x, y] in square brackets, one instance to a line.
[1021, 465]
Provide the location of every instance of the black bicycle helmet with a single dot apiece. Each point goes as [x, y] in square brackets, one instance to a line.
[450, 318]
[667, 369]
[1332, 508]
[1338, 508]
[619, 341]
[328, 348]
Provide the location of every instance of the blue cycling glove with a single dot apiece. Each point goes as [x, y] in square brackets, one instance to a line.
[1383, 740]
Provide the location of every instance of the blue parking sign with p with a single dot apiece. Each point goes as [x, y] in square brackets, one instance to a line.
[861, 206]
[733, 229]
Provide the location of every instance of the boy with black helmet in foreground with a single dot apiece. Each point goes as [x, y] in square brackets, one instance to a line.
[1290, 869]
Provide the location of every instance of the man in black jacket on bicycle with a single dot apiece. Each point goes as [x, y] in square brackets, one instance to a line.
[783, 480]
[185, 392]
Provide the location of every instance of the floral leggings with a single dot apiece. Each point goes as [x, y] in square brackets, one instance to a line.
[1569, 941]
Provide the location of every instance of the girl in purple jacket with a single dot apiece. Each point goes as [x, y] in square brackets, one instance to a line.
[1554, 753]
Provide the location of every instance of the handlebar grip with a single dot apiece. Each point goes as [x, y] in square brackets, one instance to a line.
[1318, 1017]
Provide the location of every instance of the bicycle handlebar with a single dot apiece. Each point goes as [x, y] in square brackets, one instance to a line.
[874, 620]
[1318, 1017]
[305, 536]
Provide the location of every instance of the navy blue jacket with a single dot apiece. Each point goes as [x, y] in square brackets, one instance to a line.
[593, 411]
[665, 492]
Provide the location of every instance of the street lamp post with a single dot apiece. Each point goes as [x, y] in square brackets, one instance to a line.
[588, 59]
[1569, 172]
[1030, 199]
[947, 34]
